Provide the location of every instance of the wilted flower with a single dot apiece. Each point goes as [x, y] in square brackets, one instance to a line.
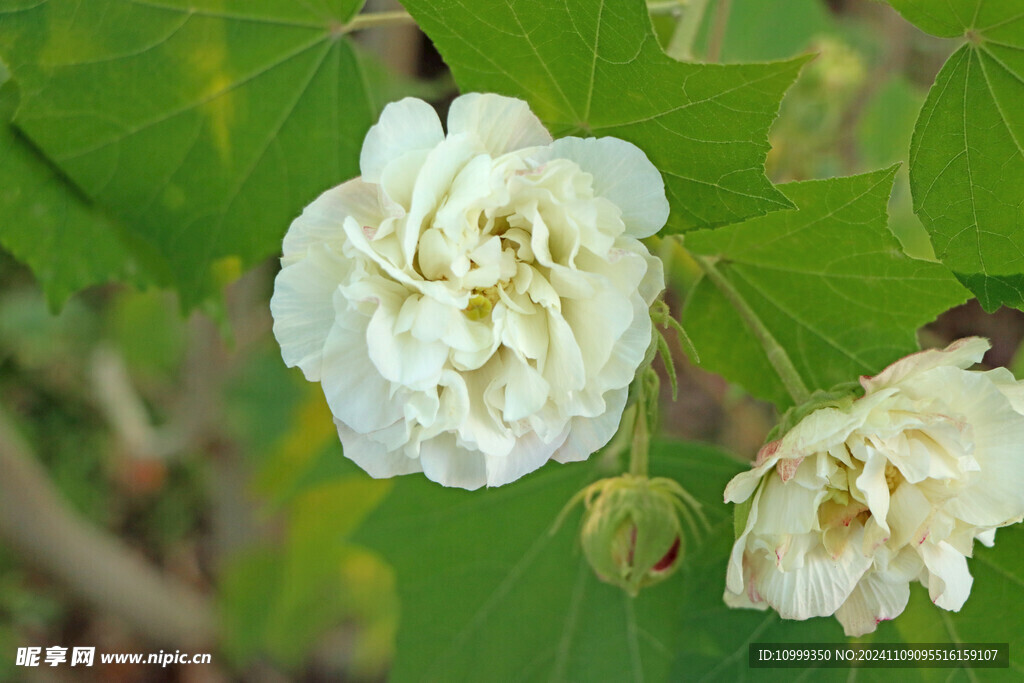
[475, 303]
[865, 496]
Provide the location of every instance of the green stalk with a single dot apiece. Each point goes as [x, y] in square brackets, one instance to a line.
[681, 45]
[777, 355]
[376, 19]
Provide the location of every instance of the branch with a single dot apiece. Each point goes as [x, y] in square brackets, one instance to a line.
[38, 524]
[777, 355]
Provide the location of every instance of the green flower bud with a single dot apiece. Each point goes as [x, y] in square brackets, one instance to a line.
[631, 533]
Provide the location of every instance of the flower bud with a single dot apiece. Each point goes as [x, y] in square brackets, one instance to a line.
[631, 534]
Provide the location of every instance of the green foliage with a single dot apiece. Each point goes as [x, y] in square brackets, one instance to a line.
[46, 223]
[966, 157]
[828, 280]
[488, 590]
[883, 137]
[279, 602]
[204, 129]
[591, 68]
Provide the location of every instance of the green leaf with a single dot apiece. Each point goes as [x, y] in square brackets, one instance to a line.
[967, 153]
[46, 223]
[279, 602]
[486, 591]
[205, 127]
[595, 68]
[828, 280]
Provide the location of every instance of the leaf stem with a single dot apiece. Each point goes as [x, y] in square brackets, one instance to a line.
[377, 19]
[681, 45]
[777, 355]
[638, 454]
[718, 26]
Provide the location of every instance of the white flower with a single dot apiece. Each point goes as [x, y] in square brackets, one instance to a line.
[857, 501]
[475, 303]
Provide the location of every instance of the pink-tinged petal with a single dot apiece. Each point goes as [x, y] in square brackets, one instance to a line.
[787, 468]
[404, 126]
[963, 353]
[623, 175]
[874, 600]
[501, 124]
[767, 452]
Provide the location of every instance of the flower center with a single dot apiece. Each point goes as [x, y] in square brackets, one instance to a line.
[893, 477]
[481, 303]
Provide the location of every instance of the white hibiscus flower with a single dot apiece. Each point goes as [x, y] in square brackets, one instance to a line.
[475, 303]
[860, 499]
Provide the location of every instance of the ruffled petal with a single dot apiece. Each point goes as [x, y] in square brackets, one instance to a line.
[622, 174]
[355, 391]
[963, 353]
[587, 435]
[995, 493]
[873, 601]
[404, 126]
[374, 457]
[529, 454]
[502, 124]
[949, 582]
[303, 308]
[817, 588]
[449, 464]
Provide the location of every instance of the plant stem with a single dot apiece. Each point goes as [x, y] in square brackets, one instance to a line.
[718, 30]
[681, 45]
[375, 19]
[638, 454]
[777, 355]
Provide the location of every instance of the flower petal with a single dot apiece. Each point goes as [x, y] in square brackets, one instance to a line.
[622, 174]
[355, 391]
[949, 582]
[449, 464]
[529, 454]
[375, 459]
[816, 589]
[303, 309]
[502, 124]
[587, 435]
[404, 126]
[963, 353]
[873, 601]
